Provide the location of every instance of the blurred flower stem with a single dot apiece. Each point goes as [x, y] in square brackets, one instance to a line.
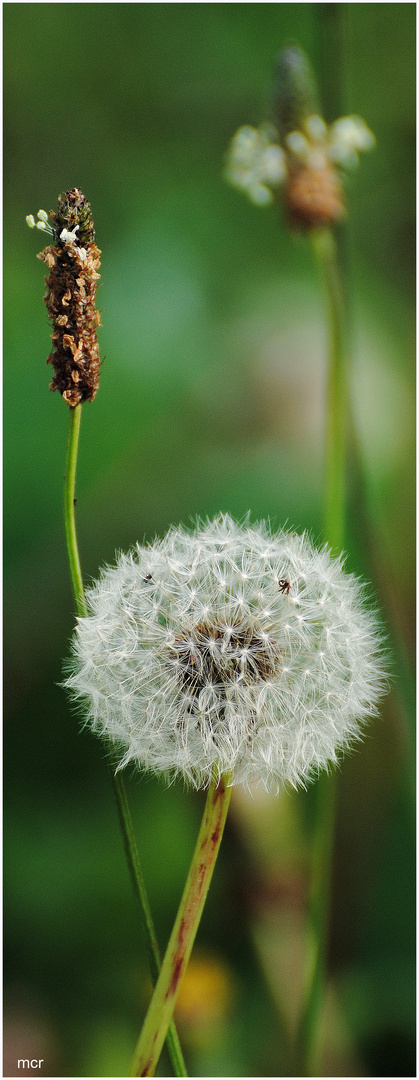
[305, 157]
[336, 441]
[125, 820]
[178, 951]
[336, 433]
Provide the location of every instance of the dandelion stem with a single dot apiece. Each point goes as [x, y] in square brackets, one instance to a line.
[125, 819]
[336, 438]
[162, 1004]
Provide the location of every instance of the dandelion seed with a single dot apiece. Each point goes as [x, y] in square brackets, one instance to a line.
[181, 693]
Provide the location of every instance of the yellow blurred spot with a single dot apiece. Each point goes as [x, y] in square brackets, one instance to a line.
[205, 994]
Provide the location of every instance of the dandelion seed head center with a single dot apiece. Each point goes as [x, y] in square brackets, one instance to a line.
[216, 654]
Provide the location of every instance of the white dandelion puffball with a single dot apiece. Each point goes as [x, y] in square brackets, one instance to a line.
[228, 648]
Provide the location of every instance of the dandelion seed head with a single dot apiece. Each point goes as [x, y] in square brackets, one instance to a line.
[191, 658]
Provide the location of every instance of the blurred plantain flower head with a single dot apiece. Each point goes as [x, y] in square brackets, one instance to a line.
[298, 153]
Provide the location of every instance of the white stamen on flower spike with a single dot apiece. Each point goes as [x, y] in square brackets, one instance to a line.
[45, 227]
[42, 223]
[228, 648]
[298, 145]
[316, 128]
[347, 137]
[255, 164]
[67, 236]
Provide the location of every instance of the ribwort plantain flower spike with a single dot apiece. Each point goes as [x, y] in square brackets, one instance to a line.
[228, 648]
[307, 153]
[73, 261]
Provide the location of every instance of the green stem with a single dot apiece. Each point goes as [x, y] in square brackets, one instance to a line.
[178, 951]
[130, 846]
[138, 885]
[69, 506]
[331, 32]
[336, 440]
[307, 1051]
[325, 249]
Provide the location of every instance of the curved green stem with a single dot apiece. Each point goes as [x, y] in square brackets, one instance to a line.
[134, 866]
[178, 951]
[336, 440]
[130, 846]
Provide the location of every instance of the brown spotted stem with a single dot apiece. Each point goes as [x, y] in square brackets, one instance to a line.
[179, 949]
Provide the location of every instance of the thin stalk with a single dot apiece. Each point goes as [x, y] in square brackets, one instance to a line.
[125, 820]
[307, 1049]
[331, 31]
[179, 949]
[138, 884]
[336, 435]
[69, 508]
[336, 439]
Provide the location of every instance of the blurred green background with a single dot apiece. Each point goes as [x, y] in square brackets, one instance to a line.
[211, 399]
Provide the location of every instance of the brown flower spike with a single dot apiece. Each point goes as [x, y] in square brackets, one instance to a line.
[73, 261]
